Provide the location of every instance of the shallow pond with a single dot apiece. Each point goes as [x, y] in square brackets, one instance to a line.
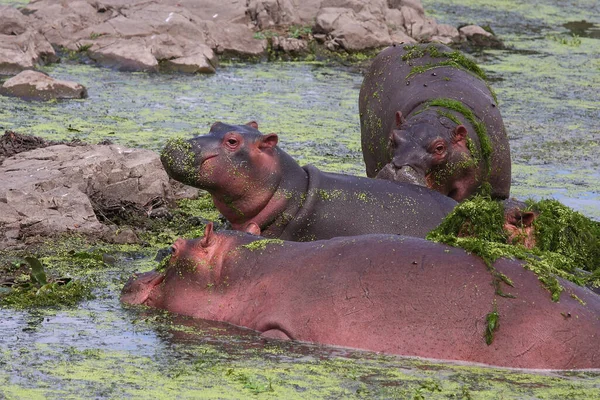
[547, 83]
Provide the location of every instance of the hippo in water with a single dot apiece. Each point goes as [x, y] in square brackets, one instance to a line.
[428, 117]
[252, 180]
[385, 293]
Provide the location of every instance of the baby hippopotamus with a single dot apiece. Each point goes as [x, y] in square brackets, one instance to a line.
[384, 293]
[428, 117]
[252, 180]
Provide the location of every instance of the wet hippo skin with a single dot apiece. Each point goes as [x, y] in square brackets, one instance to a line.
[387, 293]
[252, 180]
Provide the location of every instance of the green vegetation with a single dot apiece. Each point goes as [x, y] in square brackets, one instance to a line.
[566, 241]
[35, 289]
[454, 59]
[262, 244]
[573, 41]
[492, 322]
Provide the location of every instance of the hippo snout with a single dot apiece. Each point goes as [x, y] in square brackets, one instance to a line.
[405, 173]
[138, 287]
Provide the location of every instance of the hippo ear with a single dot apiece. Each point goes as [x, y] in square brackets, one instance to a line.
[252, 124]
[253, 228]
[268, 141]
[399, 119]
[208, 235]
[460, 134]
[527, 218]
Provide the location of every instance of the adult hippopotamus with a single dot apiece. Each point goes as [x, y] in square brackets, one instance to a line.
[384, 293]
[252, 180]
[427, 116]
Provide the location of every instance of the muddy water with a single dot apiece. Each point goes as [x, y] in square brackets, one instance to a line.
[547, 82]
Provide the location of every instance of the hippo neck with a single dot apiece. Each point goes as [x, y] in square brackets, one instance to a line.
[278, 204]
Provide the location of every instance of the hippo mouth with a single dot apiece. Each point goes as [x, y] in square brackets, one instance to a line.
[207, 158]
[138, 287]
[405, 173]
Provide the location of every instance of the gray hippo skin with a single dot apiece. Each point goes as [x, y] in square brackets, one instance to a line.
[428, 117]
[252, 181]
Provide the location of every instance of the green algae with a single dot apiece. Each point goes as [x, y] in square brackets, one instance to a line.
[50, 295]
[454, 59]
[492, 321]
[262, 244]
[565, 240]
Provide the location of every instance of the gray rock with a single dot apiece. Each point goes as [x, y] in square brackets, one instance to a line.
[350, 30]
[47, 191]
[289, 45]
[33, 85]
[24, 51]
[267, 13]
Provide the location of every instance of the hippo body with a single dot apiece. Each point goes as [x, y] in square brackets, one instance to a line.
[252, 181]
[384, 293]
[420, 109]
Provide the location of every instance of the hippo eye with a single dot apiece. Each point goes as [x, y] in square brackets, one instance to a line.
[439, 149]
[232, 142]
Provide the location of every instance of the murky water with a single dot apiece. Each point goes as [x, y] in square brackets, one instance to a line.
[547, 82]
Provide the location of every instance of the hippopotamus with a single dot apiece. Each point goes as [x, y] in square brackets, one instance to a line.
[428, 117]
[252, 180]
[386, 293]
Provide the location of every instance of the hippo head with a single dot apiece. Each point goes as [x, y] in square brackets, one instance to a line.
[518, 223]
[430, 149]
[236, 157]
[193, 272]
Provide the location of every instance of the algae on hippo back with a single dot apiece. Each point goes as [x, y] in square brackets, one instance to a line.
[566, 242]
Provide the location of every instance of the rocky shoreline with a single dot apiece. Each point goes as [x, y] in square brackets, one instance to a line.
[190, 36]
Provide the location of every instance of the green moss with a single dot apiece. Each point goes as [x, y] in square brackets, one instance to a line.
[49, 295]
[492, 321]
[477, 226]
[262, 244]
[454, 59]
[565, 231]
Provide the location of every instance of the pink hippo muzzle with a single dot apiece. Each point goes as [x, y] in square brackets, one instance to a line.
[138, 287]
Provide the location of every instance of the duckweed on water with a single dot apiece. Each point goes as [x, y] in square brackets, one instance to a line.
[37, 290]
[566, 241]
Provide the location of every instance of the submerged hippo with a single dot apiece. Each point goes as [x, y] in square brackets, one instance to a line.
[252, 180]
[428, 117]
[386, 293]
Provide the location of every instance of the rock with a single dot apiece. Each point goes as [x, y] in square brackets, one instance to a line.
[289, 45]
[478, 36]
[24, 51]
[446, 34]
[202, 62]
[33, 85]
[267, 13]
[140, 35]
[49, 190]
[351, 31]
[124, 55]
[233, 39]
[12, 22]
[416, 5]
